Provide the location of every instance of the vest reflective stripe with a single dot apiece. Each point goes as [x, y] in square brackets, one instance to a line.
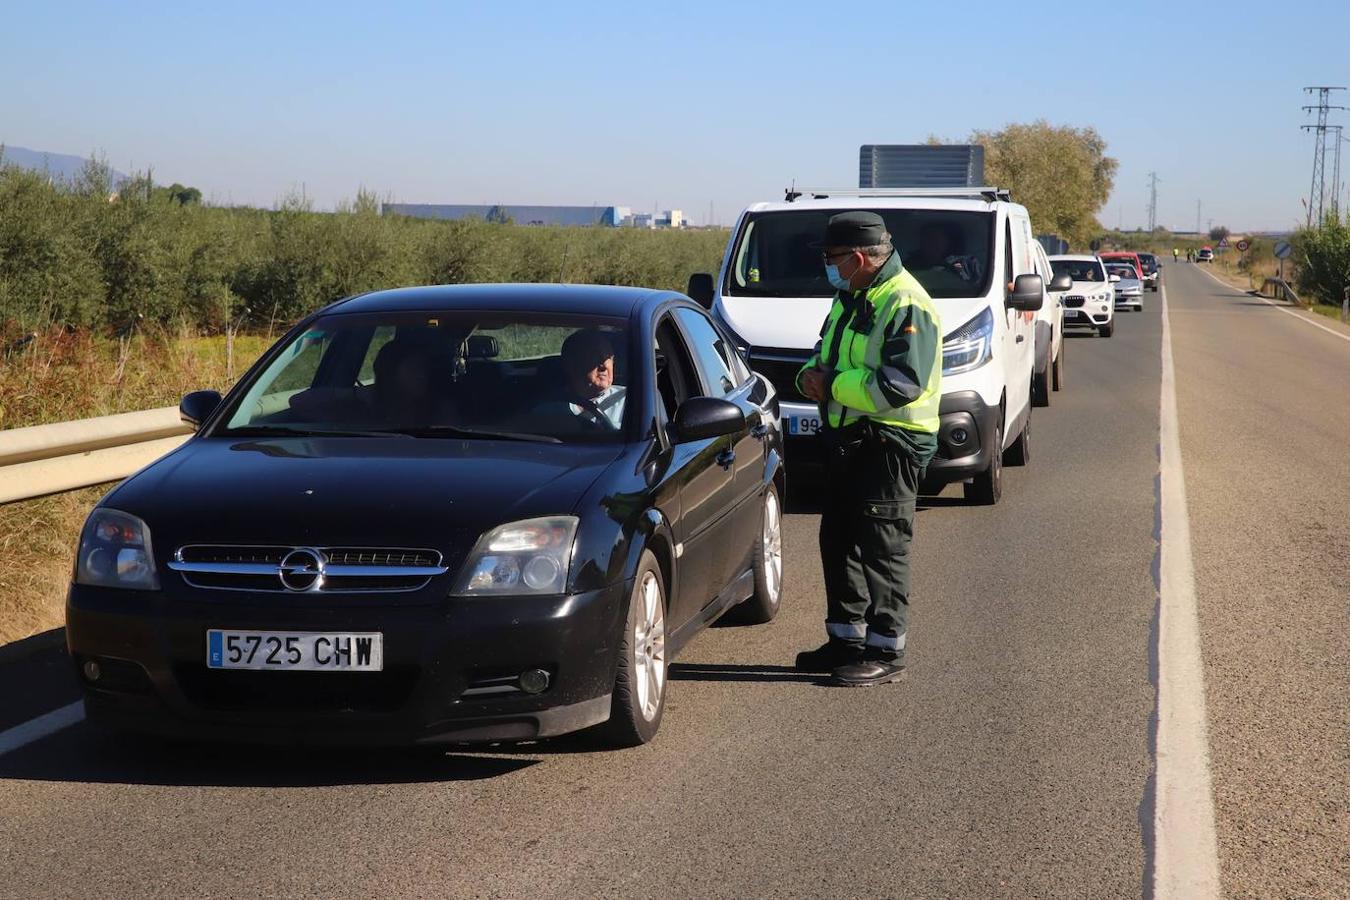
[922, 414]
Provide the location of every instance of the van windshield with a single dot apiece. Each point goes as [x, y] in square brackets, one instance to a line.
[947, 251]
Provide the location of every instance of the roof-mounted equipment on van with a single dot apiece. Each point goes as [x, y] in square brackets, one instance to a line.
[920, 165]
[952, 193]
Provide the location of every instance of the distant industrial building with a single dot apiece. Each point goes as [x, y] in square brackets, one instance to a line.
[581, 216]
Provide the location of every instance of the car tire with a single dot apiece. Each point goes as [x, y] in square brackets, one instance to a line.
[1108, 329]
[1040, 387]
[640, 682]
[986, 488]
[763, 604]
[1057, 369]
[1019, 452]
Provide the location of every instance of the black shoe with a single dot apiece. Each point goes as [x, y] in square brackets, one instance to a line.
[828, 657]
[868, 672]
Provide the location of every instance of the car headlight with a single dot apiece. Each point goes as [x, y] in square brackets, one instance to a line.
[115, 552]
[969, 346]
[527, 557]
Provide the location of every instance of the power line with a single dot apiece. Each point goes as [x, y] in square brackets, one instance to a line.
[1317, 192]
[1152, 202]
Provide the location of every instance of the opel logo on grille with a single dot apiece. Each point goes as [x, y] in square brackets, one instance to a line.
[302, 570]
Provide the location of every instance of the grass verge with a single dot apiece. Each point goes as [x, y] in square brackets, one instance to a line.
[37, 550]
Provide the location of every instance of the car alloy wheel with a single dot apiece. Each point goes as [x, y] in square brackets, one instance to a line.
[649, 648]
[772, 565]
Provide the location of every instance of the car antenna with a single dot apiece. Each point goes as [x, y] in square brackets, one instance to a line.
[792, 192]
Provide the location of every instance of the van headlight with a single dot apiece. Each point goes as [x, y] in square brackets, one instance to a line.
[115, 552]
[969, 346]
[527, 557]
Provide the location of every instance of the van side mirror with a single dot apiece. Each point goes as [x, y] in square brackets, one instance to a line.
[1028, 293]
[1061, 283]
[195, 407]
[699, 418]
[700, 289]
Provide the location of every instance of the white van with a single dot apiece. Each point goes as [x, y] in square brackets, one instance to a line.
[971, 248]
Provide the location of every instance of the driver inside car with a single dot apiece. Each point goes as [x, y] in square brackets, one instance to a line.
[591, 399]
[939, 259]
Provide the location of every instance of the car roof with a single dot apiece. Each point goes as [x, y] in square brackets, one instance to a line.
[1118, 253]
[844, 201]
[1074, 257]
[587, 299]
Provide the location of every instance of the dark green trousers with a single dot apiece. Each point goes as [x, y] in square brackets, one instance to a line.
[866, 525]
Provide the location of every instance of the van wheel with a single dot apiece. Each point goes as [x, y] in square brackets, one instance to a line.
[1040, 388]
[763, 604]
[1019, 454]
[1057, 370]
[1108, 329]
[640, 684]
[986, 488]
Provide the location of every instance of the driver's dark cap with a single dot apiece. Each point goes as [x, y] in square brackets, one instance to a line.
[854, 229]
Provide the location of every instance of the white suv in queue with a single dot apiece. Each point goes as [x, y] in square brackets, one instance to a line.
[1091, 301]
[971, 248]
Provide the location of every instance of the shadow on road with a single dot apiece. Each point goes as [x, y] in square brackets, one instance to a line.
[83, 754]
[729, 672]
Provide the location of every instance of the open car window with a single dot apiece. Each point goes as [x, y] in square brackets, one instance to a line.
[460, 374]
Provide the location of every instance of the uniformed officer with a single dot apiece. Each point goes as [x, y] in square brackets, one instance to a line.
[876, 376]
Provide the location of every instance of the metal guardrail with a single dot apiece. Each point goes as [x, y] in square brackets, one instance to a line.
[1279, 289]
[47, 459]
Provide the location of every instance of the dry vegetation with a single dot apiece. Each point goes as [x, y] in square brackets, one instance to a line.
[61, 376]
[37, 549]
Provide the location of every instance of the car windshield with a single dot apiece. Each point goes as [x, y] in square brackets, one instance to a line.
[512, 376]
[1078, 269]
[947, 251]
[1121, 269]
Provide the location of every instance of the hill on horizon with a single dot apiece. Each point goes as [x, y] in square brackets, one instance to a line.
[61, 166]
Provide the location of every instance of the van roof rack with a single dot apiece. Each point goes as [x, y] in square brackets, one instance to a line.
[988, 193]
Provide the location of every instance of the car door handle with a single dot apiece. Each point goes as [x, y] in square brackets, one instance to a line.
[760, 431]
[1021, 338]
[726, 458]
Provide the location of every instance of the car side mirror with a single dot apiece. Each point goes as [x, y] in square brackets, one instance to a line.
[1028, 293]
[699, 418]
[195, 407]
[1061, 283]
[700, 289]
[1113, 278]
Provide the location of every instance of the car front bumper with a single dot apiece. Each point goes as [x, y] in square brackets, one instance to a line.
[449, 670]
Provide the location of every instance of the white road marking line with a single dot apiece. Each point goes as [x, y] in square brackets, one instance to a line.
[1284, 309]
[41, 727]
[1186, 857]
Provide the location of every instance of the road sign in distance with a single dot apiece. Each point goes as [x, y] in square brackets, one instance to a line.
[1242, 246]
[1223, 242]
[1283, 249]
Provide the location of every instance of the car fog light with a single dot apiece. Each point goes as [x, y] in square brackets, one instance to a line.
[92, 672]
[535, 681]
[960, 435]
[541, 572]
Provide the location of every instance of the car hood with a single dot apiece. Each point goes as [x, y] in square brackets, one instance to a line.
[1089, 287]
[793, 323]
[1129, 284]
[403, 492]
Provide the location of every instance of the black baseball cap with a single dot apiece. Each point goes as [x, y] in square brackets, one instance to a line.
[853, 229]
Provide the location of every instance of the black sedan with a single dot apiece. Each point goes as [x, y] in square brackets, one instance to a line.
[472, 513]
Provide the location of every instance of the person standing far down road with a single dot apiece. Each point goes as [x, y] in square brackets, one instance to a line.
[1175, 254]
[591, 399]
[876, 375]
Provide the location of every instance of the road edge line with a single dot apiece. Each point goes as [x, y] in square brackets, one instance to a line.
[1289, 312]
[41, 727]
[1185, 855]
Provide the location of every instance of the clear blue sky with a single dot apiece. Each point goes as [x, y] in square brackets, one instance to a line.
[682, 106]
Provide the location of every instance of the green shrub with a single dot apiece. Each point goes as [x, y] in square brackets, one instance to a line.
[1323, 255]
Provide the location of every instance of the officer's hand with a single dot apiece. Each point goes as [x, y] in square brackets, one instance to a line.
[813, 384]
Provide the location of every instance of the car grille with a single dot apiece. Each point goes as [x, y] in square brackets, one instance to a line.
[781, 368]
[325, 570]
[1074, 301]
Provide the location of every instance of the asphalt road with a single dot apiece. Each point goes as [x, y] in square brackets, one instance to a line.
[1016, 760]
